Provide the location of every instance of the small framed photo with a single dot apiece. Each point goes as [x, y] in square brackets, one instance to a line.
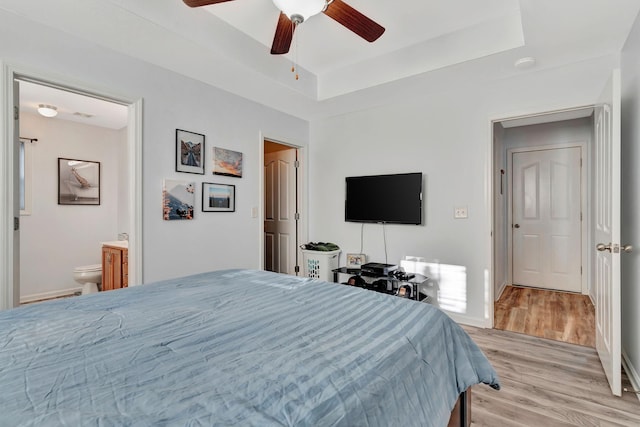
[189, 152]
[218, 197]
[356, 260]
[227, 162]
[78, 182]
[178, 198]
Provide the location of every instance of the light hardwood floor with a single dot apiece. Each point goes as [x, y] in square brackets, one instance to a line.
[546, 383]
[542, 313]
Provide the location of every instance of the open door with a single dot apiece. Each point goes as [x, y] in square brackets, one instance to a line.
[16, 195]
[281, 208]
[606, 292]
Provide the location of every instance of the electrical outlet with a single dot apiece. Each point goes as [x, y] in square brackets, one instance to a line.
[460, 212]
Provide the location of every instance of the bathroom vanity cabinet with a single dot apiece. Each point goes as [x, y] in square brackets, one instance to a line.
[115, 266]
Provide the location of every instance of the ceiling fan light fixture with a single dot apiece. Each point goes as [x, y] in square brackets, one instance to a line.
[301, 10]
[47, 110]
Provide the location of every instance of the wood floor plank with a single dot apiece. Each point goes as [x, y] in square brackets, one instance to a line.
[560, 316]
[566, 408]
[510, 414]
[547, 383]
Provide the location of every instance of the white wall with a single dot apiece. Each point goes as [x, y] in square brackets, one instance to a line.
[444, 133]
[170, 248]
[630, 230]
[56, 238]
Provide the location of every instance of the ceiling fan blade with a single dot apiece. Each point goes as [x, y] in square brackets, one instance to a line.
[354, 20]
[283, 36]
[198, 3]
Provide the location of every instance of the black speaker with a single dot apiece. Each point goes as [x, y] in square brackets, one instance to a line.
[357, 281]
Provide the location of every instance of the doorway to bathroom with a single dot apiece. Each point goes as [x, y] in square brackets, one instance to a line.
[52, 236]
[73, 188]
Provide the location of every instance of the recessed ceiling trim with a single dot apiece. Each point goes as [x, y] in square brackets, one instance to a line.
[488, 38]
[201, 46]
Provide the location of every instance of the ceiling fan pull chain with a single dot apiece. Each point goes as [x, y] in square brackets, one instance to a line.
[295, 53]
[294, 60]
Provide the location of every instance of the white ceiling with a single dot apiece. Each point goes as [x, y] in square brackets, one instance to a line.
[420, 36]
[227, 45]
[73, 107]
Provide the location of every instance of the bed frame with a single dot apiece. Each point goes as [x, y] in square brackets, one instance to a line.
[461, 414]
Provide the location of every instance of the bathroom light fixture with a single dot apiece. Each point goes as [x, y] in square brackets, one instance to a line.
[47, 110]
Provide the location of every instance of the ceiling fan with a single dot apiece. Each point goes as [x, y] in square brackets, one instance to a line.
[294, 12]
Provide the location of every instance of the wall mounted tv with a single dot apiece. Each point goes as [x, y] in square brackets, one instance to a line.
[394, 199]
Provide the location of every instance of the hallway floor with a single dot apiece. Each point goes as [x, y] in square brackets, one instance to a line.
[559, 316]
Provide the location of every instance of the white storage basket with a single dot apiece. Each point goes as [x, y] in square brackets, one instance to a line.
[318, 264]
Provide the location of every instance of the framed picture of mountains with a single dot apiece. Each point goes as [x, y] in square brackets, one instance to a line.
[189, 152]
[178, 199]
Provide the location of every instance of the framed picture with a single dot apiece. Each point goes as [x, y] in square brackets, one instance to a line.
[189, 152]
[78, 182]
[356, 260]
[218, 197]
[178, 199]
[227, 162]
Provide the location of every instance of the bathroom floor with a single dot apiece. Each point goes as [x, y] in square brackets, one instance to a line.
[50, 299]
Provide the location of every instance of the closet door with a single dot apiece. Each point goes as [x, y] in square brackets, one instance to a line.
[547, 224]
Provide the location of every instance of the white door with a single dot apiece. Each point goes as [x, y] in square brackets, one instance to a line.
[16, 194]
[606, 292]
[546, 214]
[280, 207]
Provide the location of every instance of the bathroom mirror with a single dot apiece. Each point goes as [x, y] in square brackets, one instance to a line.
[78, 182]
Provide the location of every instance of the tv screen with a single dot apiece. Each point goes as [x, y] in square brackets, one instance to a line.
[384, 198]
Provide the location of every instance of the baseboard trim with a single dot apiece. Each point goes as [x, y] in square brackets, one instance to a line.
[467, 320]
[634, 377]
[49, 295]
[500, 291]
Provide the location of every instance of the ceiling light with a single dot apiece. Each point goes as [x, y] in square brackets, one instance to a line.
[524, 63]
[47, 110]
[300, 10]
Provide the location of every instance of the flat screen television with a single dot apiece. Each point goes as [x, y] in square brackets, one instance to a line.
[394, 199]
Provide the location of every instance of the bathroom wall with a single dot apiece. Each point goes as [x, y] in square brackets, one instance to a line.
[56, 238]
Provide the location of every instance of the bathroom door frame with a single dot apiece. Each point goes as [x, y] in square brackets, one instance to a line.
[9, 277]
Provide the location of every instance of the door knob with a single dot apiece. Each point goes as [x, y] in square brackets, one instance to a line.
[516, 225]
[602, 247]
[627, 248]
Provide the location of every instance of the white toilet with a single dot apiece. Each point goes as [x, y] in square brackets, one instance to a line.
[90, 276]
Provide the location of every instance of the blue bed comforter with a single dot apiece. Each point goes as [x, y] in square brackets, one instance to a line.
[234, 348]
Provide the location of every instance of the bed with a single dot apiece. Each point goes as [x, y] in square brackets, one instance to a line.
[235, 348]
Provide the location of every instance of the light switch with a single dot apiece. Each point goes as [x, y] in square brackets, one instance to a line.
[254, 212]
[460, 212]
